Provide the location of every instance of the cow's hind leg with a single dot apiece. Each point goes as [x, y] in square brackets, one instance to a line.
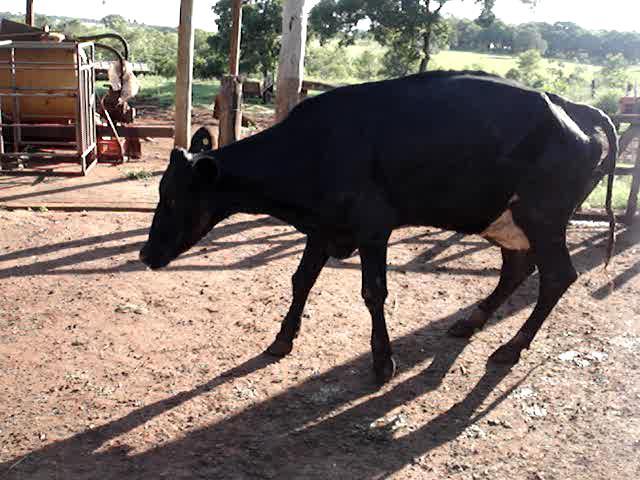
[556, 276]
[313, 259]
[517, 265]
[374, 293]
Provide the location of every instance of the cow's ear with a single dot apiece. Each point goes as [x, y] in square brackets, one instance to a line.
[179, 156]
[206, 167]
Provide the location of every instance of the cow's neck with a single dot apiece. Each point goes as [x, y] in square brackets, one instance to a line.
[258, 172]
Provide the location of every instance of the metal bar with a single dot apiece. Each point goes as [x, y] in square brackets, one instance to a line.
[38, 116]
[30, 44]
[89, 150]
[92, 103]
[37, 125]
[42, 66]
[1, 137]
[45, 67]
[39, 89]
[80, 121]
[70, 94]
[40, 155]
[92, 164]
[31, 62]
[48, 142]
[16, 104]
[138, 131]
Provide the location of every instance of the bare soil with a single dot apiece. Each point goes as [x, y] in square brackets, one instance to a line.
[111, 371]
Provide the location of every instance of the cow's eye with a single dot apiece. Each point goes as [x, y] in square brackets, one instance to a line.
[171, 204]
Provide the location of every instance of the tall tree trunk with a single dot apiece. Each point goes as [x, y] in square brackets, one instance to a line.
[426, 54]
[291, 61]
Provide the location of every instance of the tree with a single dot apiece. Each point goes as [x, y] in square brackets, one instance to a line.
[412, 29]
[614, 72]
[498, 36]
[528, 38]
[291, 58]
[468, 35]
[259, 43]
[114, 22]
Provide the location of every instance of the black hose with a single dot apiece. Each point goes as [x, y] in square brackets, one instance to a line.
[117, 36]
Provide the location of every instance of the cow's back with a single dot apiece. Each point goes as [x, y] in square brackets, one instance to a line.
[446, 150]
[443, 149]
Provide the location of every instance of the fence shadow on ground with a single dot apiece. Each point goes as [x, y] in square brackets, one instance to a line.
[434, 257]
[291, 435]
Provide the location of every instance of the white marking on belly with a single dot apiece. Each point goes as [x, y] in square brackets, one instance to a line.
[506, 233]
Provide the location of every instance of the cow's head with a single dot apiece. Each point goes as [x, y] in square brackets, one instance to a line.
[186, 210]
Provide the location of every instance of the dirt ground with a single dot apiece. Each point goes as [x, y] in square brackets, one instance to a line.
[111, 371]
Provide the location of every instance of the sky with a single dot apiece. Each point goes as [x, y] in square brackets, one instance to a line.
[617, 15]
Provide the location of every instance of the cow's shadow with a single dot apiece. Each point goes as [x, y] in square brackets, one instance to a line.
[292, 434]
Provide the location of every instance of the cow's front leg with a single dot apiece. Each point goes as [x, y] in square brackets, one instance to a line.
[313, 259]
[374, 293]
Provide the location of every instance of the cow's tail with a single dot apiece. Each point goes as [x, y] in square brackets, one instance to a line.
[610, 170]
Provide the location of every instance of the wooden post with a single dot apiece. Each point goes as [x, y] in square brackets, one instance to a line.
[30, 16]
[230, 108]
[632, 203]
[229, 99]
[184, 77]
[291, 61]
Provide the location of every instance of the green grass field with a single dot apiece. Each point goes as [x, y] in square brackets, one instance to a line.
[499, 64]
[161, 91]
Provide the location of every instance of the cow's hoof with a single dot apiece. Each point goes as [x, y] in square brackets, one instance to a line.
[280, 348]
[506, 355]
[466, 327]
[386, 371]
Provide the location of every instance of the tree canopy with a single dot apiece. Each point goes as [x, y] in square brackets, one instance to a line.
[260, 39]
[412, 29]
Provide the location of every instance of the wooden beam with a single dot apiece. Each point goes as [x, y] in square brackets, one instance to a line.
[627, 137]
[184, 77]
[30, 16]
[291, 61]
[632, 203]
[236, 32]
[632, 118]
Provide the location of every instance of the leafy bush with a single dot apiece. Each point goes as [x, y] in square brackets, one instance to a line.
[614, 72]
[529, 68]
[367, 65]
[328, 62]
[608, 102]
[574, 84]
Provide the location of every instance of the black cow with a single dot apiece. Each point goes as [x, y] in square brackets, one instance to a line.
[461, 151]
